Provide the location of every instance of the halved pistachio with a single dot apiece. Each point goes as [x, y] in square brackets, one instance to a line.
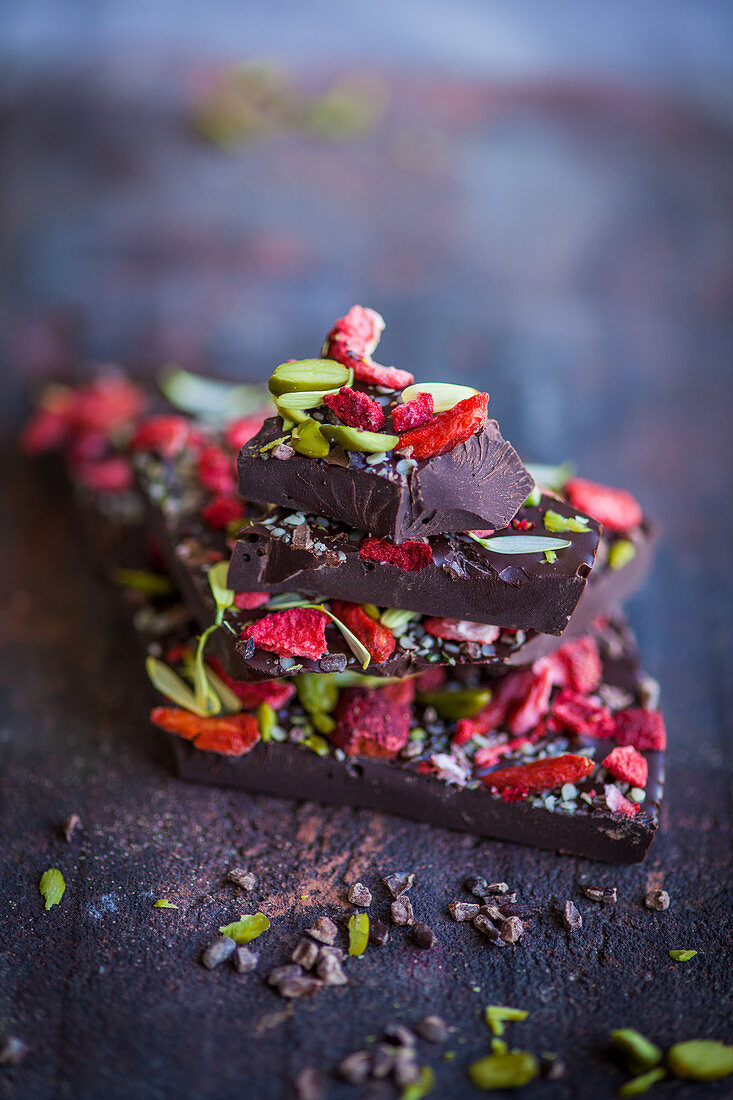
[309, 374]
[353, 439]
[307, 439]
[445, 394]
[464, 703]
[297, 400]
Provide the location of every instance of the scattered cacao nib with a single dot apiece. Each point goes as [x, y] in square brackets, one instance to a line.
[323, 930]
[497, 888]
[302, 539]
[400, 1035]
[329, 967]
[299, 985]
[600, 893]
[245, 959]
[477, 886]
[402, 912]
[280, 973]
[359, 895]
[283, 451]
[383, 1060]
[422, 935]
[245, 879]
[333, 662]
[310, 1084]
[493, 912]
[552, 1067]
[218, 951]
[463, 910]
[433, 1029]
[571, 918]
[12, 1050]
[483, 924]
[399, 883]
[657, 899]
[72, 823]
[406, 1069]
[378, 931]
[305, 954]
[512, 930]
[356, 1067]
[247, 648]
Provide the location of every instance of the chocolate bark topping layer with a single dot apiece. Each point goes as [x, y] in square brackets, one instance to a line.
[480, 483]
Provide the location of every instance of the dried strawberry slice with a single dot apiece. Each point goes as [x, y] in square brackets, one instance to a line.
[413, 414]
[401, 691]
[356, 409]
[524, 714]
[248, 601]
[106, 405]
[617, 804]
[162, 435]
[241, 431]
[540, 775]
[579, 714]
[368, 723]
[510, 691]
[460, 630]
[107, 475]
[412, 556]
[373, 635]
[222, 510]
[295, 632]
[644, 729]
[577, 665]
[274, 692]
[616, 509]
[234, 735]
[375, 375]
[448, 428]
[628, 765]
[430, 680]
[352, 340]
[216, 470]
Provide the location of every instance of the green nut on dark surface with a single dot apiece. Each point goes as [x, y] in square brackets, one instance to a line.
[504, 1071]
[309, 374]
[307, 439]
[317, 692]
[637, 1052]
[464, 703]
[701, 1060]
[353, 439]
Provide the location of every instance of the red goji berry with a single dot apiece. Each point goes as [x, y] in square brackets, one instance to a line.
[541, 775]
[525, 713]
[448, 429]
[234, 735]
[373, 635]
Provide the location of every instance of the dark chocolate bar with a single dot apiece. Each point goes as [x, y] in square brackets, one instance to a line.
[480, 483]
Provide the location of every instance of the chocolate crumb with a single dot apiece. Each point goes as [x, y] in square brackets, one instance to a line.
[218, 951]
[463, 910]
[378, 931]
[497, 888]
[383, 1060]
[399, 1034]
[477, 886]
[402, 912]
[323, 930]
[422, 935]
[359, 895]
[571, 918]
[512, 930]
[245, 959]
[248, 649]
[329, 967]
[242, 878]
[305, 954]
[310, 1084]
[12, 1051]
[333, 662]
[299, 985]
[483, 924]
[281, 973]
[399, 883]
[406, 1069]
[493, 912]
[356, 1067]
[657, 899]
[433, 1029]
[72, 823]
[600, 893]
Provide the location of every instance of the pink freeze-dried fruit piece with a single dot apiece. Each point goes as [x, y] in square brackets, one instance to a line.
[248, 601]
[215, 470]
[617, 804]
[461, 630]
[239, 432]
[356, 409]
[579, 714]
[275, 692]
[413, 414]
[222, 510]
[107, 475]
[448, 429]
[295, 632]
[352, 340]
[644, 729]
[510, 691]
[628, 765]
[528, 710]
[412, 556]
[165, 435]
[577, 665]
[369, 723]
[616, 509]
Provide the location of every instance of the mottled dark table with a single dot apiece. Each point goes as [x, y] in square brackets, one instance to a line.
[568, 247]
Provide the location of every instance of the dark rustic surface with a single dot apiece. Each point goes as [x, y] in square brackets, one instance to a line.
[568, 247]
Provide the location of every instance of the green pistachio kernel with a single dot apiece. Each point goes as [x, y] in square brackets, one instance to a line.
[701, 1060]
[498, 1046]
[534, 498]
[638, 1053]
[445, 394]
[152, 584]
[683, 956]
[266, 719]
[498, 1015]
[504, 1071]
[316, 744]
[424, 1085]
[309, 374]
[299, 400]
[353, 439]
[550, 557]
[621, 553]
[395, 618]
[554, 521]
[324, 723]
[552, 477]
[247, 928]
[358, 933]
[371, 610]
[464, 703]
[308, 439]
[317, 692]
[163, 903]
[291, 416]
[637, 1086]
[52, 886]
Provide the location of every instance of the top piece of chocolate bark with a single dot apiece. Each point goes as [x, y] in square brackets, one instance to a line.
[363, 444]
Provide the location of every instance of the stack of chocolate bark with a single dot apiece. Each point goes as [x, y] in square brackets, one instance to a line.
[396, 613]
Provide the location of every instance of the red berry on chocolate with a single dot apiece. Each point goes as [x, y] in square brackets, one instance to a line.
[356, 409]
[253, 692]
[368, 723]
[401, 691]
[295, 632]
[540, 775]
[373, 635]
[644, 729]
[617, 804]
[524, 714]
[241, 431]
[577, 665]
[413, 414]
[247, 601]
[412, 556]
[616, 509]
[222, 510]
[575, 713]
[448, 429]
[510, 692]
[628, 765]
[460, 630]
[106, 475]
[234, 735]
[352, 340]
[216, 470]
[165, 436]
